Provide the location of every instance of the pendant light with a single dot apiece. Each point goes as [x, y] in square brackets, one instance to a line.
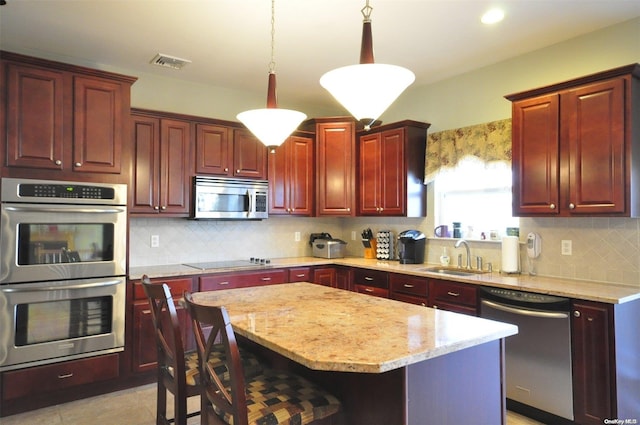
[271, 125]
[366, 90]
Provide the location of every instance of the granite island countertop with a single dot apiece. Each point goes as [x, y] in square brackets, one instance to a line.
[585, 290]
[327, 329]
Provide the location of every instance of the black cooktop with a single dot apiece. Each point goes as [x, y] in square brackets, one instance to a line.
[209, 265]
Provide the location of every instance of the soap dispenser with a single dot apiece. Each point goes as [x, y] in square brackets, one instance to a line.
[444, 258]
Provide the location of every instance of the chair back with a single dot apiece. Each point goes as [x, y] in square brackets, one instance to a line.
[168, 335]
[225, 398]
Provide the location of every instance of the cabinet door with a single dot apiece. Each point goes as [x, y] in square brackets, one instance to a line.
[336, 171]
[213, 150]
[536, 150]
[99, 122]
[325, 276]
[34, 118]
[393, 173]
[249, 155]
[146, 171]
[175, 148]
[592, 362]
[301, 181]
[594, 122]
[291, 177]
[369, 175]
[279, 179]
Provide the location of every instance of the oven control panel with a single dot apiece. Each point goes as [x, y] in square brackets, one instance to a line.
[65, 191]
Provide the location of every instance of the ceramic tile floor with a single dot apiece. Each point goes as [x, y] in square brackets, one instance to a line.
[135, 406]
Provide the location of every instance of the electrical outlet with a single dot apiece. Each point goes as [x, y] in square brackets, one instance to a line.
[296, 236]
[566, 247]
[155, 241]
[353, 235]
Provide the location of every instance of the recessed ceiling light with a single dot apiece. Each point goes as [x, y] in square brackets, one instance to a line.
[492, 16]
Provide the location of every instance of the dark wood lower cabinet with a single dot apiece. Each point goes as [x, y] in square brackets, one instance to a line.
[453, 296]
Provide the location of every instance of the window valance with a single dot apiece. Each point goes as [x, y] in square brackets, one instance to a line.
[488, 142]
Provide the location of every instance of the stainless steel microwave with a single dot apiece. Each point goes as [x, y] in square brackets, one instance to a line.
[230, 199]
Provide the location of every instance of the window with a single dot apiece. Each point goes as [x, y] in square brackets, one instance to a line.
[476, 194]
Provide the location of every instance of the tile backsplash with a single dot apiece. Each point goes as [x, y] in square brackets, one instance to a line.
[603, 249]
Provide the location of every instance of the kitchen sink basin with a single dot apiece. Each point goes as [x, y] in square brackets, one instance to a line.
[455, 271]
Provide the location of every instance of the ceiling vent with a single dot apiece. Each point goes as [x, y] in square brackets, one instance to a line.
[169, 61]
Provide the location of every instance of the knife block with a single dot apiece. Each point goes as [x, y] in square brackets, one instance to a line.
[371, 252]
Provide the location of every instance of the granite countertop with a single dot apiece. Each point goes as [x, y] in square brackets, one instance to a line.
[585, 290]
[323, 328]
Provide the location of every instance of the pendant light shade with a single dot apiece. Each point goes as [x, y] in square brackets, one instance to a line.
[271, 125]
[366, 90]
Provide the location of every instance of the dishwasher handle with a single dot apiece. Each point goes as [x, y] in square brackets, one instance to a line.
[525, 311]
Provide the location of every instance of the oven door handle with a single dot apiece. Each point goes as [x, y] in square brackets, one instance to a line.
[525, 311]
[93, 210]
[45, 287]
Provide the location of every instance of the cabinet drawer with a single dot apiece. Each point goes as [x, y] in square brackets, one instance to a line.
[373, 278]
[177, 287]
[411, 299]
[456, 308]
[372, 290]
[451, 292]
[216, 282]
[410, 285]
[41, 379]
[300, 274]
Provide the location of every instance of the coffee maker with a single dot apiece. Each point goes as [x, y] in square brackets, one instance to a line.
[411, 245]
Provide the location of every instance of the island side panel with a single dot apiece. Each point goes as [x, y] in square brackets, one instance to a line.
[463, 387]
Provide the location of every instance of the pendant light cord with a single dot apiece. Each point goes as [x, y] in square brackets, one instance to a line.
[272, 64]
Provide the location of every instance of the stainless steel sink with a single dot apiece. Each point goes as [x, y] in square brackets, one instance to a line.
[455, 271]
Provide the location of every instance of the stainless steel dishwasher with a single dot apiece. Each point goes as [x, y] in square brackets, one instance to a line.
[538, 358]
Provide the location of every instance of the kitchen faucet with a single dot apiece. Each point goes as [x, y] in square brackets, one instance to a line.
[466, 245]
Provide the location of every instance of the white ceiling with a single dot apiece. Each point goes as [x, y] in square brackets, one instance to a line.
[228, 41]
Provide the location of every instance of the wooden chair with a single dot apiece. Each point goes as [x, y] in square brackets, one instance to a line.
[272, 397]
[175, 365]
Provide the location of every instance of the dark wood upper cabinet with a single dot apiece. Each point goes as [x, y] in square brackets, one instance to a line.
[575, 147]
[214, 150]
[335, 165]
[161, 177]
[63, 120]
[391, 170]
[249, 155]
[291, 177]
[34, 117]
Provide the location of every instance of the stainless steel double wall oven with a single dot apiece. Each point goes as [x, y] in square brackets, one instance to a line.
[62, 270]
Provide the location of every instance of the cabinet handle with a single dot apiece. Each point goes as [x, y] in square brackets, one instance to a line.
[368, 278]
[58, 162]
[368, 290]
[572, 206]
[423, 304]
[156, 207]
[406, 285]
[381, 209]
[65, 376]
[78, 164]
[265, 279]
[576, 313]
[164, 207]
[552, 206]
[226, 282]
[348, 209]
[293, 210]
[453, 294]
[590, 319]
[238, 171]
[300, 275]
[226, 170]
[435, 306]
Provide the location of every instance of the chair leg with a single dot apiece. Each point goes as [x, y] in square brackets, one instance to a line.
[161, 405]
[180, 410]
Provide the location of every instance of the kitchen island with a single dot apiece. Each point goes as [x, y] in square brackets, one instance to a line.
[389, 362]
